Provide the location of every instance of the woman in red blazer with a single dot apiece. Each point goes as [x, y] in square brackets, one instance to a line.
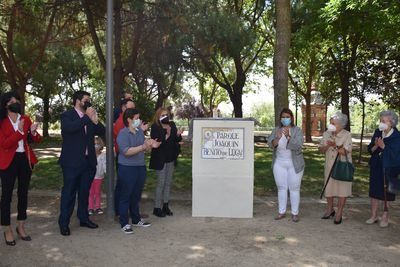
[16, 162]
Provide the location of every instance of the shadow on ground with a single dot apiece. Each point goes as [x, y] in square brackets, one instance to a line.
[182, 240]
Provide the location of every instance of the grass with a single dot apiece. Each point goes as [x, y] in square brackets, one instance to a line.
[47, 174]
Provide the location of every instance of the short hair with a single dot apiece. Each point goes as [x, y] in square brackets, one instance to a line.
[123, 94]
[129, 114]
[288, 111]
[393, 116]
[341, 118]
[4, 99]
[125, 101]
[78, 95]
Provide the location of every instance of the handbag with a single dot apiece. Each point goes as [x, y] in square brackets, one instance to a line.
[343, 170]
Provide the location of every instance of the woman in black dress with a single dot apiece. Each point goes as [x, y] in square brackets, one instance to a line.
[384, 144]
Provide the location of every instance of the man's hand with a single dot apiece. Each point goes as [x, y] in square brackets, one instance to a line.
[92, 114]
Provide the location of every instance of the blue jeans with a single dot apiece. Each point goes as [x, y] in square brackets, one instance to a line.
[131, 180]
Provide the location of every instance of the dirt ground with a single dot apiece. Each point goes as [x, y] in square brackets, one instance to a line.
[181, 240]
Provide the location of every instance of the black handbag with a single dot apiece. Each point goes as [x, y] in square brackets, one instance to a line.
[343, 170]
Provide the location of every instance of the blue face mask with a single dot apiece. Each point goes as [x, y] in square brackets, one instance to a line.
[136, 123]
[286, 121]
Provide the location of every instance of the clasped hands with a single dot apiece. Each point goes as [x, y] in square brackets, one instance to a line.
[34, 127]
[151, 143]
[340, 149]
[379, 143]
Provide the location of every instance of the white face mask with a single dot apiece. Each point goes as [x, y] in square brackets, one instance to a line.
[331, 128]
[383, 126]
[136, 123]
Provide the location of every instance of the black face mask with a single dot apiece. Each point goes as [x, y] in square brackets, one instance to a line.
[165, 120]
[15, 107]
[86, 105]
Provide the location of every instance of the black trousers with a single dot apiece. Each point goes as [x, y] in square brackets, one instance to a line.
[18, 169]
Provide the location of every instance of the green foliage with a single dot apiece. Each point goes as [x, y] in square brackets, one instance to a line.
[47, 174]
[264, 113]
[373, 108]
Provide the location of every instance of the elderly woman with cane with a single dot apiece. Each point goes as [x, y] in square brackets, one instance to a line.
[385, 150]
[336, 142]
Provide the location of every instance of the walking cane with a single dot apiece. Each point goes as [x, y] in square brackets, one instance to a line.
[329, 177]
[385, 206]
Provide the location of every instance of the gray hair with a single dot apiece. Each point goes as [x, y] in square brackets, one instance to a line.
[341, 118]
[394, 118]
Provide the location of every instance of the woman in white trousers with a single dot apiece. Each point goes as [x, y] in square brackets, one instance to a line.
[288, 163]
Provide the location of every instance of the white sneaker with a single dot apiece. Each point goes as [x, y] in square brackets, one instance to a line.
[142, 223]
[372, 220]
[383, 224]
[127, 229]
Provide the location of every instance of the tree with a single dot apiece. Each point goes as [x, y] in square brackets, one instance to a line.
[228, 39]
[23, 39]
[264, 113]
[349, 27]
[129, 24]
[281, 55]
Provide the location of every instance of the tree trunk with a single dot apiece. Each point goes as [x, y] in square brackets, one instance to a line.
[308, 118]
[345, 99]
[46, 116]
[281, 56]
[237, 106]
[160, 101]
[362, 129]
[21, 91]
[118, 75]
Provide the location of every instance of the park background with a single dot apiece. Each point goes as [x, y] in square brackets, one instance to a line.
[248, 58]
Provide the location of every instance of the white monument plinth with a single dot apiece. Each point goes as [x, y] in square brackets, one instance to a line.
[223, 168]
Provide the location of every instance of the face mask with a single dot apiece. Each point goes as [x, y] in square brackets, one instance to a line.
[286, 121]
[15, 107]
[86, 105]
[97, 146]
[136, 123]
[331, 128]
[383, 126]
[164, 120]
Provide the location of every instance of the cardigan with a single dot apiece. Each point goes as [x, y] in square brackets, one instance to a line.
[295, 145]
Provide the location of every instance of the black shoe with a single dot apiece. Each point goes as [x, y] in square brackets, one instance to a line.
[89, 224]
[25, 238]
[64, 230]
[337, 222]
[325, 217]
[9, 243]
[158, 212]
[166, 210]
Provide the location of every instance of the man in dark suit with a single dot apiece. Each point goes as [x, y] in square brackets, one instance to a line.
[79, 126]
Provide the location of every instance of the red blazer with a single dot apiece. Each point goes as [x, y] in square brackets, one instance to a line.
[9, 142]
[118, 126]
